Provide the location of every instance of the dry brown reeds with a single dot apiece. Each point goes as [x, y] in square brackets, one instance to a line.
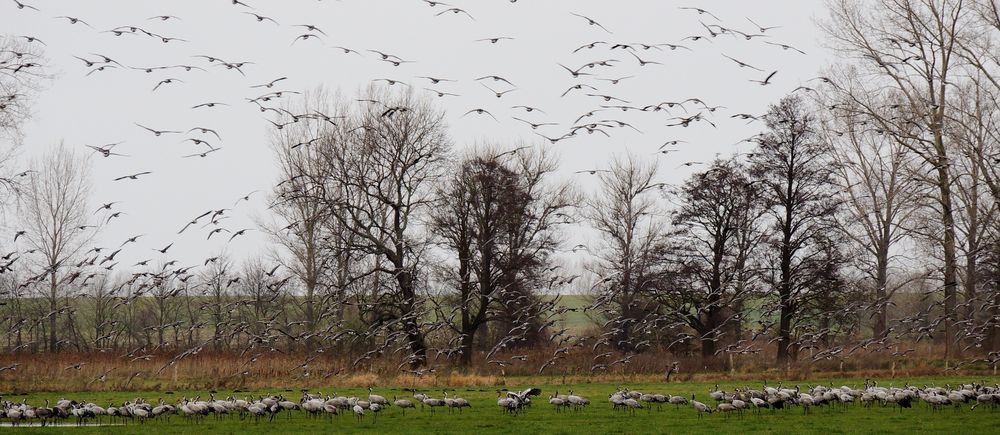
[208, 370]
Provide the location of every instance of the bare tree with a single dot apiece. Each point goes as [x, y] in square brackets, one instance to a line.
[21, 74]
[880, 193]
[499, 218]
[21, 69]
[315, 244]
[13, 307]
[54, 212]
[382, 185]
[264, 296]
[216, 281]
[792, 168]
[161, 291]
[972, 132]
[106, 323]
[633, 233]
[719, 209]
[832, 305]
[978, 106]
[991, 284]
[910, 50]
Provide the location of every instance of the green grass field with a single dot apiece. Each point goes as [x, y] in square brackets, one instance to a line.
[485, 417]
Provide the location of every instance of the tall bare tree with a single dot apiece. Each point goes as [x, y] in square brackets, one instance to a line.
[719, 209]
[978, 105]
[910, 50]
[991, 285]
[54, 212]
[881, 195]
[626, 214]
[499, 217]
[392, 157]
[792, 169]
[316, 245]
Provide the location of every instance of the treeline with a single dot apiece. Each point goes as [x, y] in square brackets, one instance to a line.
[877, 179]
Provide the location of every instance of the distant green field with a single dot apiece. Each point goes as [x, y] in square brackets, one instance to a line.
[576, 321]
[485, 417]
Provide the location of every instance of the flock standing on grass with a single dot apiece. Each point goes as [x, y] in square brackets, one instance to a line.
[778, 398]
[738, 401]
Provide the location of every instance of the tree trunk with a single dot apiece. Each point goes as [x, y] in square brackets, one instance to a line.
[708, 345]
[973, 241]
[411, 325]
[995, 316]
[713, 322]
[784, 333]
[53, 306]
[948, 245]
[994, 322]
[971, 281]
[879, 329]
[785, 285]
[311, 283]
[467, 341]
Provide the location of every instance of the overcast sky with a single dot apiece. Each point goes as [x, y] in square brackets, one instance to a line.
[103, 107]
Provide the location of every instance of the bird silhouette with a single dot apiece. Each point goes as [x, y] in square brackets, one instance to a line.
[157, 133]
[480, 112]
[133, 176]
[591, 21]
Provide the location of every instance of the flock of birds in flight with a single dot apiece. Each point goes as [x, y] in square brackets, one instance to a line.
[209, 139]
[595, 80]
[512, 402]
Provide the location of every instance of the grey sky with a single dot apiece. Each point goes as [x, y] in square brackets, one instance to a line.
[103, 107]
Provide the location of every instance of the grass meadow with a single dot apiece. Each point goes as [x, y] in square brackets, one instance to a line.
[485, 417]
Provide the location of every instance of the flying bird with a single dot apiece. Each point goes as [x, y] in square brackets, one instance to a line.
[74, 20]
[312, 28]
[261, 18]
[106, 150]
[784, 46]
[166, 82]
[204, 130]
[643, 62]
[480, 112]
[23, 5]
[455, 11]
[270, 84]
[133, 176]
[767, 80]
[347, 50]
[441, 93]
[496, 39]
[304, 37]
[212, 104]
[591, 21]
[204, 154]
[534, 126]
[158, 133]
[700, 11]
[163, 17]
[762, 29]
[575, 73]
[498, 93]
[742, 64]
